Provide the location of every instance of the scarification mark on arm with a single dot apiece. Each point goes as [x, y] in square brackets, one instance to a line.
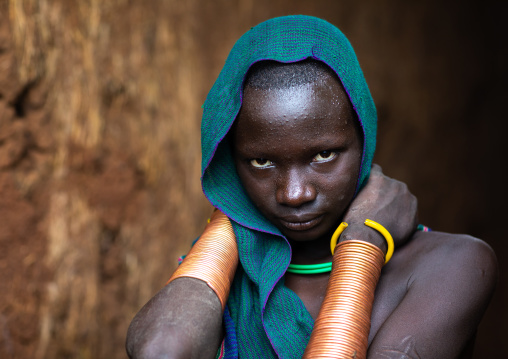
[410, 281]
[405, 350]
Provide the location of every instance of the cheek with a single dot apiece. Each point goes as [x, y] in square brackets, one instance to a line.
[262, 198]
[340, 190]
[258, 191]
[341, 184]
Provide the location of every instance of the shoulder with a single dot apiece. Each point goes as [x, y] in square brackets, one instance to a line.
[455, 260]
[458, 254]
[458, 267]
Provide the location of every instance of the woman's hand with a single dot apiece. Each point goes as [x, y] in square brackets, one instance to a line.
[386, 201]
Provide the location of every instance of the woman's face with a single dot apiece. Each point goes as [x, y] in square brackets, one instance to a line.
[298, 153]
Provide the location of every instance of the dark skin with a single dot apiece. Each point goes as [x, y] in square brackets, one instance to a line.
[298, 154]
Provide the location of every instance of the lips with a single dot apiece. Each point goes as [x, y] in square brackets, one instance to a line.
[301, 223]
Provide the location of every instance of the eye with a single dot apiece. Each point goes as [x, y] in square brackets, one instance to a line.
[324, 156]
[260, 162]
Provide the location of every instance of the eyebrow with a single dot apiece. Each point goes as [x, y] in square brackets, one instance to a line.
[325, 142]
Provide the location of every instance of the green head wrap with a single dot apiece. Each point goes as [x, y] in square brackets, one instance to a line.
[269, 319]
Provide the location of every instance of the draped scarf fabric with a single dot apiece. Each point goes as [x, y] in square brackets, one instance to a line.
[264, 319]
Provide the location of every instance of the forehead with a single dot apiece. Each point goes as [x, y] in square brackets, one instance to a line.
[317, 108]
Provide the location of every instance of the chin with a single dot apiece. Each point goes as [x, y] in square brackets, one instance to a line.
[306, 236]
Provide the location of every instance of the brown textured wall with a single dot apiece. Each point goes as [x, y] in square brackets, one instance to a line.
[99, 145]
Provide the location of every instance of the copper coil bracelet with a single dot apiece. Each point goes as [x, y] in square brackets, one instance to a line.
[213, 258]
[341, 329]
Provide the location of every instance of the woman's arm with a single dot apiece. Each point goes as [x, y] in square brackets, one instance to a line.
[450, 281]
[183, 320]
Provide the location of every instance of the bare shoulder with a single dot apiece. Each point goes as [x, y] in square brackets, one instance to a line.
[434, 259]
[458, 255]
[432, 296]
[461, 267]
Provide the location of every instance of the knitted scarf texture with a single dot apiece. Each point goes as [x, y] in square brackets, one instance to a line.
[263, 318]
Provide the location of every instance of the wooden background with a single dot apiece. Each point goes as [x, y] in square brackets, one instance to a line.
[99, 145]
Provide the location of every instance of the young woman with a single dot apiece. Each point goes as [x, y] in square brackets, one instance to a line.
[288, 137]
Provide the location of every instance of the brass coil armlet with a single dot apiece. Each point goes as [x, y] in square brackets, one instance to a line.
[341, 329]
[213, 258]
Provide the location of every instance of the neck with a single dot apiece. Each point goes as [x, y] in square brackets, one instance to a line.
[311, 252]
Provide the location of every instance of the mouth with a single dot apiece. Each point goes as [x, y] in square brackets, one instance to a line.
[299, 224]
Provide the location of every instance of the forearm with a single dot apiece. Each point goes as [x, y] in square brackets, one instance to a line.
[183, 320]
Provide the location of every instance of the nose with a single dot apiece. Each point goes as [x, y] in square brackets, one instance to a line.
[295, 189]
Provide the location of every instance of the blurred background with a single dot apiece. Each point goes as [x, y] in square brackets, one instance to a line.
[100, 155]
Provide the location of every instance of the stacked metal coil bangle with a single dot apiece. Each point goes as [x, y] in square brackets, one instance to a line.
[213, 258]
[342, 327]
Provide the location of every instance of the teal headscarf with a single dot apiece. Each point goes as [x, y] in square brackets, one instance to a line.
[269, 319]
